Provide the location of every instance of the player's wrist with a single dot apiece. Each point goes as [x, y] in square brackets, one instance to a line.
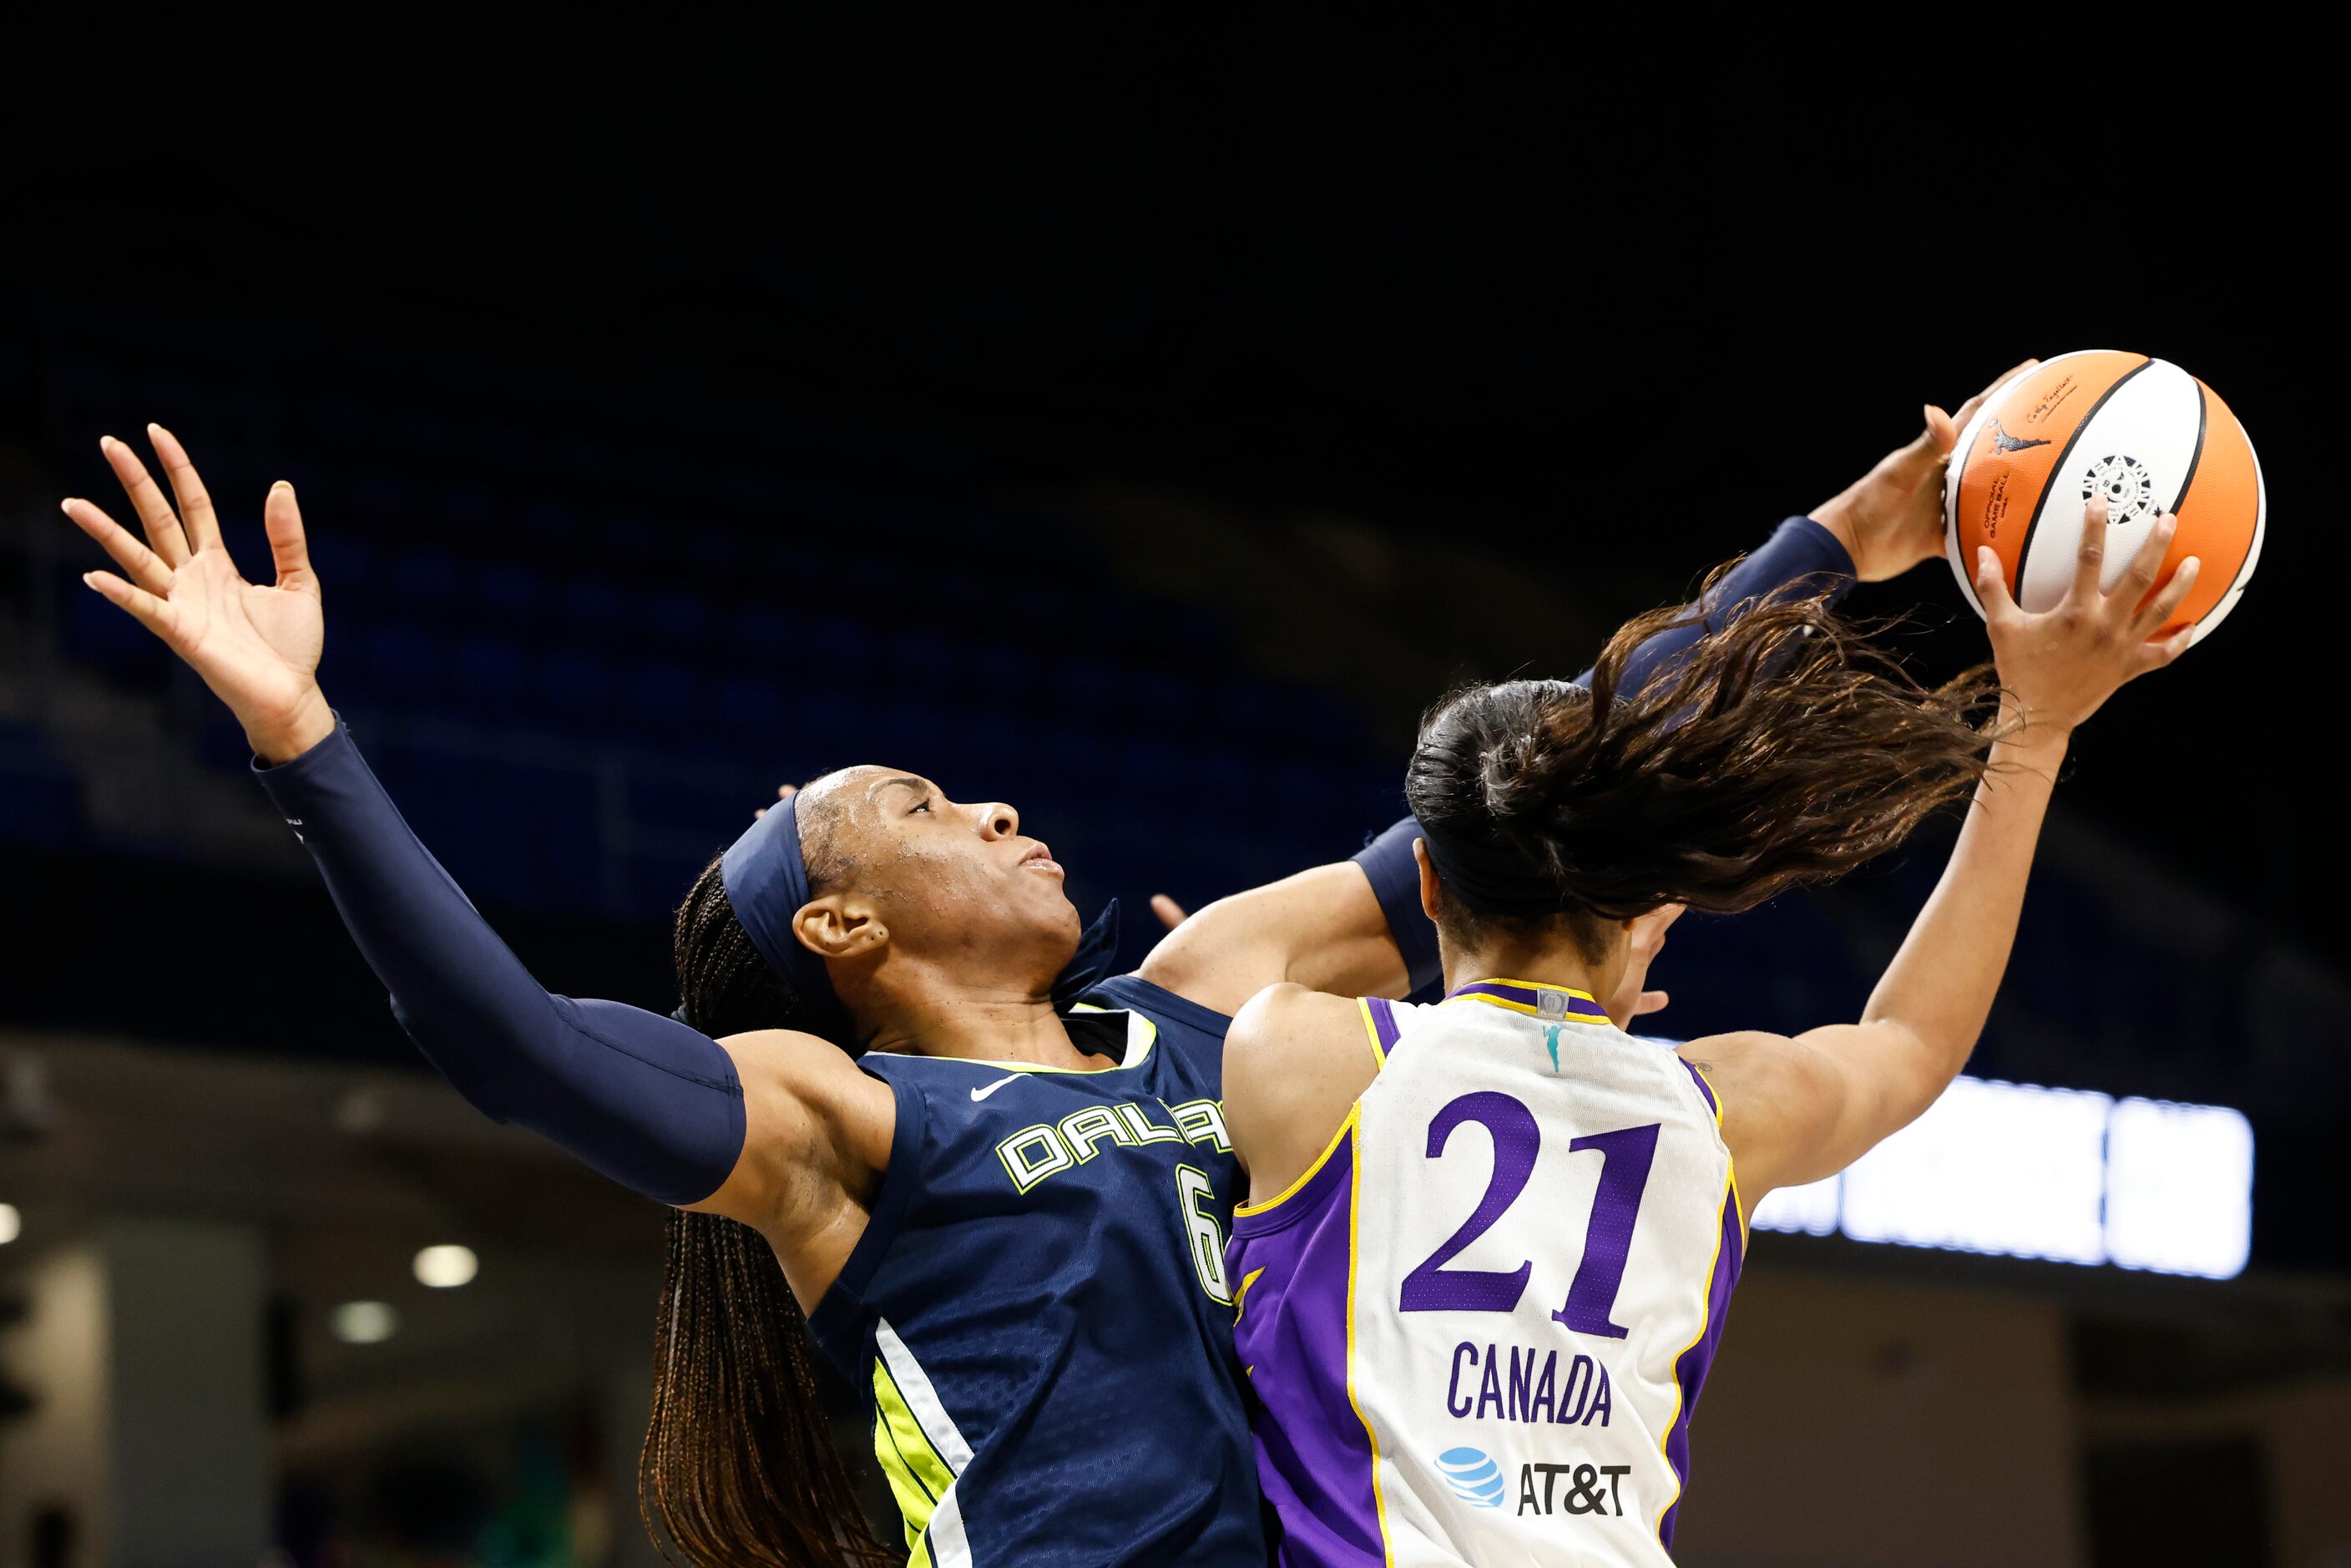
[2037, 730]
[281, 737]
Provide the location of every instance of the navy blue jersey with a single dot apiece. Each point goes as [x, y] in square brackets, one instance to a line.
[1039, 1303]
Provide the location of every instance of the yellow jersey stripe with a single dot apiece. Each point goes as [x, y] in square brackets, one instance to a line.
[1705, 1317]
[1372, 1028]
[1307, 1174]
[924, 1474]
[1354, 1208]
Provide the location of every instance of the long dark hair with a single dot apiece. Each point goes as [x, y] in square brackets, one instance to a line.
[1781, 749]
[739, 1465]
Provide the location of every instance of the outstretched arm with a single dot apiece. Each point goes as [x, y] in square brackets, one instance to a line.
[659, 1107]
[1796, 1110]
[1356, 927]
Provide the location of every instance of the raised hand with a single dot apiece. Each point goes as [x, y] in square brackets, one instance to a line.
[1891, 518]
[2065, 661]
[257, 648]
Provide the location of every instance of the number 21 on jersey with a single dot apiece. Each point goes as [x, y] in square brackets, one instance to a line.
[1626, 1156]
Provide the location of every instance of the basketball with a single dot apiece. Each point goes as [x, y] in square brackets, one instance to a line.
[2142, 432]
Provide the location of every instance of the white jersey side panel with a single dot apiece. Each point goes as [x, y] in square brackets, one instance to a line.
[1546, 1234]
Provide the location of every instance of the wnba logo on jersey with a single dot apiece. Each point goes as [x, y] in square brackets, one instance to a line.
[1474, 1477]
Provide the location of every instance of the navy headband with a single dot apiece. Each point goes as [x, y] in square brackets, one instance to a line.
[767, 882]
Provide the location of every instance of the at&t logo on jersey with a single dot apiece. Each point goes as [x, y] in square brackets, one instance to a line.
[1573, 1488]
[1474, 1477]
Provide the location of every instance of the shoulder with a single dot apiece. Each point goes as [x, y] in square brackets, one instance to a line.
[1778, 1095]
[1294, 1060]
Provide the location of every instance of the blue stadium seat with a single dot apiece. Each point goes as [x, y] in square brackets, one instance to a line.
[748, 713]
[388, 500]
[95, 631]
[596, 610]
[509, 598]
[1085, 684]
[662, 698]
[348, 567]
[405, 665]
[426, 585]
[40, 796]
[759, 639]
[678, 622]
[489, 674]
[575, 686]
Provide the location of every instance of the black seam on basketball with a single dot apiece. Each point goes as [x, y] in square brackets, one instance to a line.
[2032, 523]
[2239, 582]
[2203, 411]
[1955, 469]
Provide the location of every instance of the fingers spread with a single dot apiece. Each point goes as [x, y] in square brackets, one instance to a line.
[2160, 608]
[151, 611]
[155, 514]
[2154, 655]
[128, 553]
[281, 518]
[2132, 589]
[195, 506]
[2092, 556]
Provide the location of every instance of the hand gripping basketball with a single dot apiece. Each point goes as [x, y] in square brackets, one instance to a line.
[2062, 664]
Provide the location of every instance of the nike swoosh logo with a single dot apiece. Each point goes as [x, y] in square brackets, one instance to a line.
[984, 1093]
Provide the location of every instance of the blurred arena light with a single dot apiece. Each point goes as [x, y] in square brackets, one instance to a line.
[12, 1224]
[2020, 1171]
[446, 1267]
[363, 1322]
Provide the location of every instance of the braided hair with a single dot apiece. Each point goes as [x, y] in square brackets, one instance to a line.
[739, 1465]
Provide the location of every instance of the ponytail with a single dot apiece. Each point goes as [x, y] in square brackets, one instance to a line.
[1777, 751]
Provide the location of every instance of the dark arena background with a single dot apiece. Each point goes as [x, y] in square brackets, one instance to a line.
[1144, 433]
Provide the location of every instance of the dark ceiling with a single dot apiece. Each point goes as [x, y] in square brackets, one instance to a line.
[1436, 279]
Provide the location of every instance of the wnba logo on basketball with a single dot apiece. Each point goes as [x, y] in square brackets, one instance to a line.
[1474, 1477]
[2140, 434]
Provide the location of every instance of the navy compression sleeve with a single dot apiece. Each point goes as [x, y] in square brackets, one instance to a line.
[642, 1098]
[1801, 555]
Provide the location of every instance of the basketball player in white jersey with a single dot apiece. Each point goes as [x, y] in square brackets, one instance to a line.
[1489, 1242]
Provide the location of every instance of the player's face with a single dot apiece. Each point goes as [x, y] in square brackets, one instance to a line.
[949, 877]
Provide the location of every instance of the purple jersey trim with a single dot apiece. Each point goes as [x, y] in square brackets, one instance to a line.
[1384, 1027]
[1690, 1369]
[1704, 1088]
[1313, 1452]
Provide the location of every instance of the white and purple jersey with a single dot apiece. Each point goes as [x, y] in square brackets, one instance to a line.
[1476, 1327]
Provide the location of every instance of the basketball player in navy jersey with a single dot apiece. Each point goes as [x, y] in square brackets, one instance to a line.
[1489, 1242]
[997, 1179]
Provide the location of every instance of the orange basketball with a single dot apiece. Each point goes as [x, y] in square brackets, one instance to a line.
[2143, 432]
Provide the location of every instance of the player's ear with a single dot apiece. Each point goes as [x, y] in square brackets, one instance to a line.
[841, 925]
[1428, 877]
